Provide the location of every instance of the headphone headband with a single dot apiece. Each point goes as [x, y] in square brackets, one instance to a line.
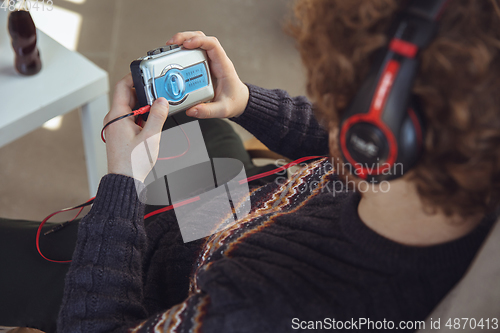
[429, 10]
[372, 127]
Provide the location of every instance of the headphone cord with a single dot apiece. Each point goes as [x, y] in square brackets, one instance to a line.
[156, 212]
[164, 209]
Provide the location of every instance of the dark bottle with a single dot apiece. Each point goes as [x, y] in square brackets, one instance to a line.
[23, 33]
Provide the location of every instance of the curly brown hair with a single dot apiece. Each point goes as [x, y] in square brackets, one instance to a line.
[458, 84]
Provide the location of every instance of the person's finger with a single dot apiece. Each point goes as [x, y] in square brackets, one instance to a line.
[124, 94]
[180, 37]
[124, 98]
[157, 117]
[133, 98]
[208, 110]
[220, 64]
[123, 89]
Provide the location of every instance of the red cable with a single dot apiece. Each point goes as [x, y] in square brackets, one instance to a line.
[184, 153]
[137, 112]
[140, 111]
[39, 231]
[243, 181]
[74, 218]
[286, 166]
[158, 211]
[164, 209]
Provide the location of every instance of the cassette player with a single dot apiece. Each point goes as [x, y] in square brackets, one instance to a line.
[181, 76]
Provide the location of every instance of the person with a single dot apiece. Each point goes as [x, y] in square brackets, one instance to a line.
[32, 287]
[311, 254]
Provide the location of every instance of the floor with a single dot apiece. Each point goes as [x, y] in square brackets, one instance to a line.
[45, 170]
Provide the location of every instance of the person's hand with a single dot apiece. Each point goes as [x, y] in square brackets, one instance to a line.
[124, 135]
[231, 95]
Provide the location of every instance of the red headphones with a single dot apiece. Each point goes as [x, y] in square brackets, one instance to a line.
[382, 130]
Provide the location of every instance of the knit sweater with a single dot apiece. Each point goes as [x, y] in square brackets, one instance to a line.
[301, 259]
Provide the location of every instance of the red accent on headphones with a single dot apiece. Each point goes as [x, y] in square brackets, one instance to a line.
[374, 117]
[403, 48]
[361, 172]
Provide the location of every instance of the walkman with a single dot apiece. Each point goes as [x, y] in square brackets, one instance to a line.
[181, 76]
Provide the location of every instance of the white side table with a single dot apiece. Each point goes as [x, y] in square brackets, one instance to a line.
[67, 81]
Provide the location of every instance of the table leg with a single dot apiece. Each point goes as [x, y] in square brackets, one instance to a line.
[92, 115]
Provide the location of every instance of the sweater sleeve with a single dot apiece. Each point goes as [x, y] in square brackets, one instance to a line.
[284, 124]
[103, 288]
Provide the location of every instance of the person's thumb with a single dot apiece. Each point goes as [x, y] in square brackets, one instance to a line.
[157, 117]
[208, 110]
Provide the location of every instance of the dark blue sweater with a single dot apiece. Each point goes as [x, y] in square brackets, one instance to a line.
[301, 259]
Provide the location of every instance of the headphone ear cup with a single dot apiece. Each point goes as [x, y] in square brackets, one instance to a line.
[411, 136]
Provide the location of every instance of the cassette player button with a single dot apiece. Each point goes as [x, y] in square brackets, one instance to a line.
[169, 47]
[154, 52]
